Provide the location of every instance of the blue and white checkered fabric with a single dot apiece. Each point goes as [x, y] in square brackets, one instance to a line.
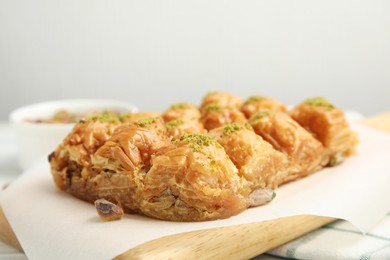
[340, 240]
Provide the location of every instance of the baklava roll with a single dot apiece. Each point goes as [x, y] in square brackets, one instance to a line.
[183, 111]
[256, 160]
[122, 162]
[195, 181]
[182, 118]
[327, 124]
[255, 104]
[116, 169]
[215, 115]
[223, 99]
[306, 153]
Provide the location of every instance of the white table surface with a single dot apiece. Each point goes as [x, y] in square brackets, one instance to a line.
[9, 170]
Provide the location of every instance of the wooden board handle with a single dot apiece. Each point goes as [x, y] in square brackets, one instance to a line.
[233, 242]
[7, 234]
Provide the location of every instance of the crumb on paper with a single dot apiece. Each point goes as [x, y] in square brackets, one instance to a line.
[261, 196]
[107, 210]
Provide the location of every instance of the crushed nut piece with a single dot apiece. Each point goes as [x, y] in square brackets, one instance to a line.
[260, 197]
[108, 210]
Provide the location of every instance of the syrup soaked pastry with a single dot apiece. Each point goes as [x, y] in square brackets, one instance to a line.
[255, 104]
[257, 161]
[195, 181]
[305, 152]
[329, 125]
[167, 167]
[223, 99]
[215, 115]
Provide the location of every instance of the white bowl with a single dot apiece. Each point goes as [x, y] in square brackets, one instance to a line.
[36, 140]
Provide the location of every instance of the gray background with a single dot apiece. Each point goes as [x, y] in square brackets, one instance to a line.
[153, 52]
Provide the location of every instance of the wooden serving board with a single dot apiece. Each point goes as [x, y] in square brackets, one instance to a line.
[237, 242]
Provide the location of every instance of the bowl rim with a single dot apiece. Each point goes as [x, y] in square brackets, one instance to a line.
[34, 110]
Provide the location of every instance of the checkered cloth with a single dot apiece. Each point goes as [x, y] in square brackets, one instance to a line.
[340, 240]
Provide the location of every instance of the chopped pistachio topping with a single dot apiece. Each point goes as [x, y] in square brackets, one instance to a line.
[229, 129]
[254, 99]
[318, 102]
[125, 115]
[180, 106]
[213, 106]
[105, 116]
[146, 121]
[197, 141]
[173, 123]
[260, 115]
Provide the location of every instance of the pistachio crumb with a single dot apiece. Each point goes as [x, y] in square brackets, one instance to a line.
[254, 99]
[319, 102]
[173, 123]
[213, 106]
[105, 116]
[260, 115]
[125, 115]
[231, 128]
[183, 105]
[146, 121]
[197, 141]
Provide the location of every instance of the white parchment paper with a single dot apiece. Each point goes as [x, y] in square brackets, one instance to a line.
[51, 224]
